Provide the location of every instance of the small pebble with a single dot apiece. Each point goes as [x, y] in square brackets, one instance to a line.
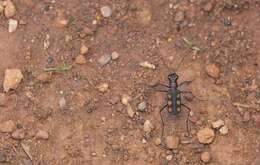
[10, 9]
[62, 103]
[18, 134]
[144, 141]
[125, 99]
[179, 16]
[205, 157]
[106, 11]
[213, 70]
[130, 111]
[114, 55]
[217, 124]
[42, 135]
[172, 142]
[146, 64]
[12, 25]
[7, 126]
[223, 130]
[3, 99]
[206, 136]
[83, 49]
[157, 141]
[105, 59]
[142, 106]
[93, 154]
[148, 126]
[169, 157]
[12, 78]
[103, 87]
[80, 59]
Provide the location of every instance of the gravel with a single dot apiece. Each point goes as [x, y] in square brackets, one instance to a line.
[206, 136]
[217, 124]
[12, 25]
[105, 59]
[205, 157]
[7, 126]
[224, 130]
[148, 127]
[42, 135]
[106, 11]
[18, 134]
[142, 106]
[172, 142]
[213, 70]
[10, 9]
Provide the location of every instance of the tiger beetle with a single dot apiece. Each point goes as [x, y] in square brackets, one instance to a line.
[174, 104]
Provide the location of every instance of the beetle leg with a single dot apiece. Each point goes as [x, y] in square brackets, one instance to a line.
[189, 92]
[160, 85]
[185, 82]
[187, 119]
[162, 119]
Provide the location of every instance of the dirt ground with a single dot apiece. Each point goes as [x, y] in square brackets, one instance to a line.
[81, 112]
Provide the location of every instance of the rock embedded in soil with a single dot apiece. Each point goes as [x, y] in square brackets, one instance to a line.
[205, 157]
[148, 126]
[217, 124]
[80, 59]
[18, 134]
[12, 25]
[142, 106]
[147, 64]
[157, 141]
[42, 135]
[83, 49]
[105, 59]
[7, 126]
[10, 9]
[213, 70]
[206, 136]
[169, 157]
[12, 78]
[223, 130]
[106, 11]
[103, 87]
[125, 99]
[172, 142]
[114, 55]
[3, 99]
[130, 111]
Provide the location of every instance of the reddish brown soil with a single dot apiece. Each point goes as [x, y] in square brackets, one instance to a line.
[139, 30]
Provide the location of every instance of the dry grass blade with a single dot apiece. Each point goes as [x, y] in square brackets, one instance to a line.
[58, 69]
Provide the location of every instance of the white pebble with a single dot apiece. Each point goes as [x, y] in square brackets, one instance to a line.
[106, 11]
[12, 25]
[223, 130]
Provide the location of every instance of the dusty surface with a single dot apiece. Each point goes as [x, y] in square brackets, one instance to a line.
[76, 117]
